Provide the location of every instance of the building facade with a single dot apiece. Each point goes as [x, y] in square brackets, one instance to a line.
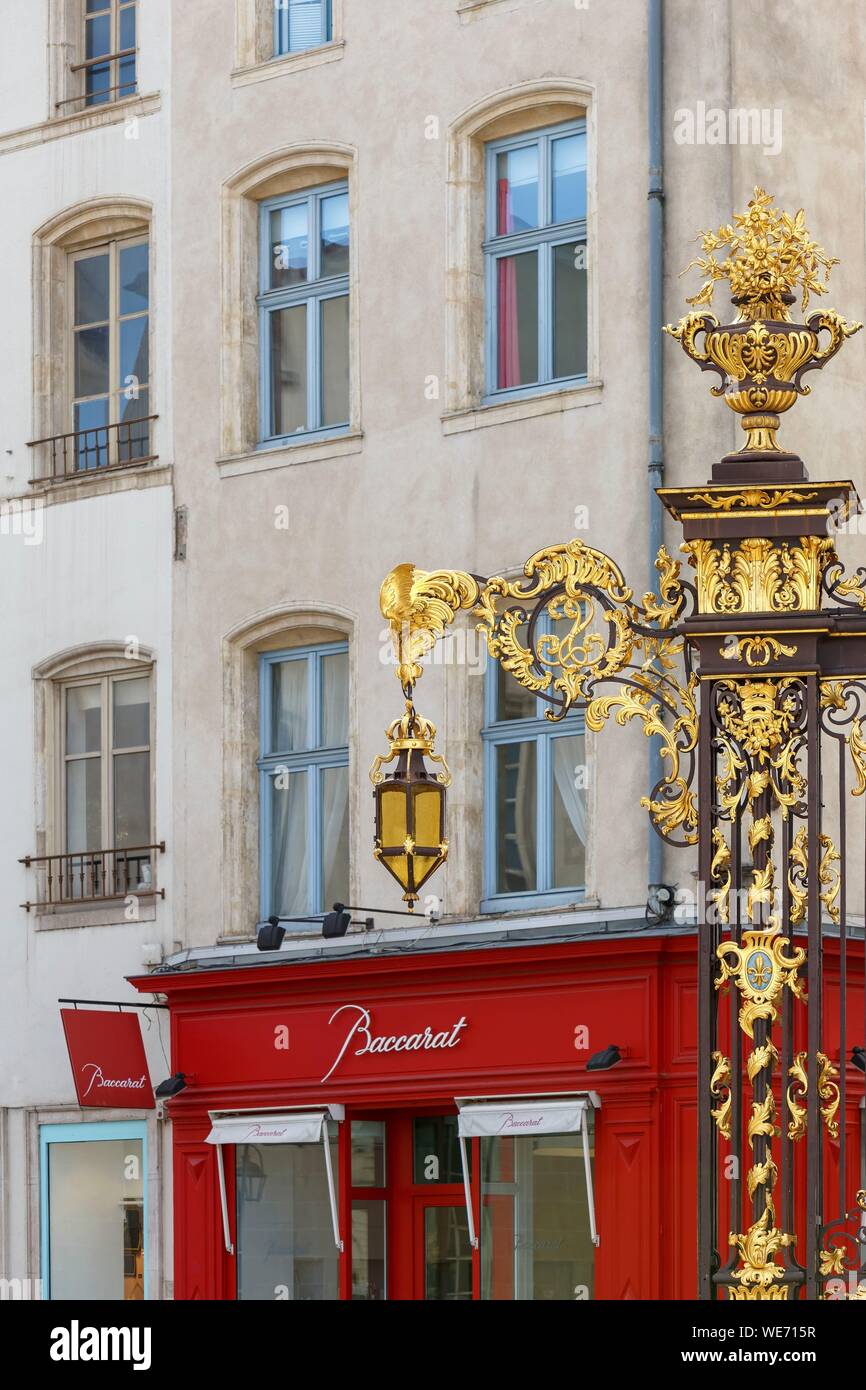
[401, 294]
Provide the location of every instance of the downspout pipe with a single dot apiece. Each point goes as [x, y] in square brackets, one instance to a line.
[656, 467]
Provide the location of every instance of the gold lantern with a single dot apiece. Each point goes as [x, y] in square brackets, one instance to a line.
[410, 805]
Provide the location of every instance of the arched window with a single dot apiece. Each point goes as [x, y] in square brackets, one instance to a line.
[95, 761]
[289, 749]
[289, 306]
[520, 313]
[92, 393]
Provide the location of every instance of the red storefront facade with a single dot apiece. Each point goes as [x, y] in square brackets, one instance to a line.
[394, 1050]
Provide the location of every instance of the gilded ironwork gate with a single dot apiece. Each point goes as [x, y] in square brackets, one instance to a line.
[753, 678]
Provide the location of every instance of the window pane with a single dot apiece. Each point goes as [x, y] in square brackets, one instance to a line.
[335, 835]
[131, 800]
[516, 190]
[96, 1219]
[517, 320]
[290, 722]
[568, 176]
[569, 310]
[447, 1254]
[368, 1153]
[288, 246]
[134, 277]
[95, 5]
[132, 713]
[285, 1239]
[134, 364]
[98, 84]
[569, 811]
[290, 894]
[91, 361]
[335, 235]
[289, 370]
[126, 77]
[127, 27]
[368, 1250]
[513, 701]
[83, 719]
[307, 24]
[134, 443]
[437, 1150]
[335, 700]
[83, 805]
[91, 446]
[535, 1237]
[335, 361]
[97, 36]
[91, 290]
[515, 811]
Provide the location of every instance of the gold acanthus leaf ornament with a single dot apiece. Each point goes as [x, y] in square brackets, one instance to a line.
[418, 606]
[796, 1094]
[756, 1250]
[757, 651]
[720, 1088]
[753, 498]
[760, 575]
[720, 872]
[799, 1089]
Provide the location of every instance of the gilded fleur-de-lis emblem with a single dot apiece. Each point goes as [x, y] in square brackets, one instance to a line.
[760, 972]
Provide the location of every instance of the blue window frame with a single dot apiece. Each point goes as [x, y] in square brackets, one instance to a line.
[304, 780]
[535, 255]
[93, 1210]
[301, 24]
[535, 779]
[304, 314]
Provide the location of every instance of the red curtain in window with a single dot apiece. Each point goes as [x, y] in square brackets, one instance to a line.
[507, 347]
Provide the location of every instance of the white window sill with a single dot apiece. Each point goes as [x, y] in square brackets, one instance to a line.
[288, 62]
[284, 455]
[96, 483]
[91, 118]
[524, 408]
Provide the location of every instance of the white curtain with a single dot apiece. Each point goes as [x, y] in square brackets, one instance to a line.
[572, 796]
[289, 845]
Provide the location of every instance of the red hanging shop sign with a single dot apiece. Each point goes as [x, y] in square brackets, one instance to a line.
[106, 1053]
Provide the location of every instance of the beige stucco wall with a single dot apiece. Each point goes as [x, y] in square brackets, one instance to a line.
[416, 487]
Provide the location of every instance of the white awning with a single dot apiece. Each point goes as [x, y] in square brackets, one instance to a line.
[490, 1119]
[495, 1117]
[299, 1127]
[269, 1127]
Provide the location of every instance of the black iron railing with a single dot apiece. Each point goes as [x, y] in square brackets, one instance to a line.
[95, 875]
[105, 448]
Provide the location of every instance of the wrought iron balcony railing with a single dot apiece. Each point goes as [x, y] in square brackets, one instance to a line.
[101, 96]
[104, 449]
[94, 875]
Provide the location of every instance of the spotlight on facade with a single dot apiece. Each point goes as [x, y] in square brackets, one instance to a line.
[270, 936]
[336, 923]
[858, 1057]
[172, 1087]
[603, 1061]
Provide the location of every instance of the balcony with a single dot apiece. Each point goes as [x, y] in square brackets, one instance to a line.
[103, 449]
[94, 876]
